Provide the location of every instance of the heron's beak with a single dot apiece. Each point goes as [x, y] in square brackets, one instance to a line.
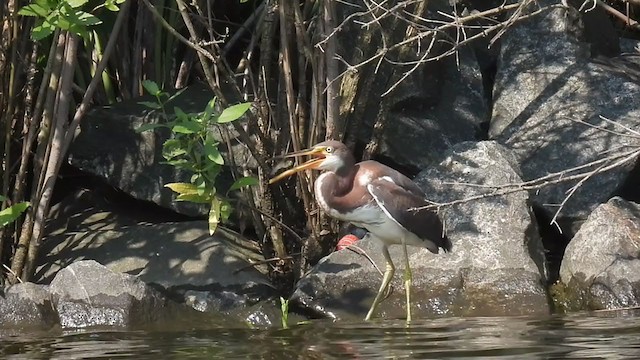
[319, 157]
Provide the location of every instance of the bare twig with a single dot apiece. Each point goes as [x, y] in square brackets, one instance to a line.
[12, 273]
[541, 182]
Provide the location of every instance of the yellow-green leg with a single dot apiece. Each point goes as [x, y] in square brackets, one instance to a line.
[407, 279]
[386, 279]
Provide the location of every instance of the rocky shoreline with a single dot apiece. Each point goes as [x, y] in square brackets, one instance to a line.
[559, 98]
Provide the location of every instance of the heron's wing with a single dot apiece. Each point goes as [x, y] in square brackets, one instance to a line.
[398, 178]
[396, 201]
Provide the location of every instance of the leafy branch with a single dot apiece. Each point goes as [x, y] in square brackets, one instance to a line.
[193, 148]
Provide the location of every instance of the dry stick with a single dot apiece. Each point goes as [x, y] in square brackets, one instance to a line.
[13, 30]
[258, 150]
[33, 119]
[274, 219]
[97, 78]
[616, 123]
[12, 273]
[334, 125]
[594, 172]
[625, 18]
[534, 184]
[41, 155]
[62, 140]
[56, 155]
[603, 129]
[202, 53]
[554, 220]
[549, 176]
[183, 11]
[296, 137]
[382, 53]
[304, 46]
[265, 261]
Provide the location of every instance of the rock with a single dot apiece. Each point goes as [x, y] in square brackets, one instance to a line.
[439, 104]
[179, 257]
[87, 294]
[496, 266]
[135, 165]
[545, 87]
[27, 306]
[425, 126]
[601, 264]
[266, 314]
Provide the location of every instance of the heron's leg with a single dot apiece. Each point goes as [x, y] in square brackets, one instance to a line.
[386, 279]
[407, 279]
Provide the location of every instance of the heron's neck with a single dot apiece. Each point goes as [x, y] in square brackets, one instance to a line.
[340, 182]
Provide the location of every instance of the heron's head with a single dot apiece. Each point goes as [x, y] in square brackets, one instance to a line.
[328, 156]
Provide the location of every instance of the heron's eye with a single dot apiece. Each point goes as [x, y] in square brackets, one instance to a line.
[329, 149]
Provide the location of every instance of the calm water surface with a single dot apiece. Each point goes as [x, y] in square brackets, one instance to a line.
[607, 335]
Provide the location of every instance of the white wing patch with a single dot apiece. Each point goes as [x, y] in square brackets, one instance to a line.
[381, 202]
[387, 178]
[364, 178]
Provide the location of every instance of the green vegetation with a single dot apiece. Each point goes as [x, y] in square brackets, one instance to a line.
[193, 148]
[10, 214]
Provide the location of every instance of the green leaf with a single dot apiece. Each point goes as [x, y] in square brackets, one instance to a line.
[183, 128]
[211, 105]
[202, 186]
[172, 148]
[179, 164]
[176, 94]
[182, 188]
[174, 152]
[242, 182]
[212, 152]
[233, 112]
[111, 7]
[87, 19]
[76, 3]
[194, 198]
[11, 213]
[151, 87]
[2, 198]
[34, 10]
[42, 30]
[214, 215]
[147, 127]
[151, 104]
[225, 210]
[181, 115]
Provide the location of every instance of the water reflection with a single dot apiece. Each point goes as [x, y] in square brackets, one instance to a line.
[581, 336]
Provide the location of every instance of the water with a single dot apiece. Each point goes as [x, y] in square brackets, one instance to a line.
[606, 335]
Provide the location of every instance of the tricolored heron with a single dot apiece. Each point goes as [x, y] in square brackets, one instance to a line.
[375, 197]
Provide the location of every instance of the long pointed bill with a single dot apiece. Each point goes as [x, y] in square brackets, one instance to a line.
[311, 164]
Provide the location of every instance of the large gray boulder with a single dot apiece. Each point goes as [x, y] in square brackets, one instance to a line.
[27, 306]
[87, 294]
[547, 87]
[450, 108]
[496, 266]
[437, 104]
[210, 273]
[601, 264]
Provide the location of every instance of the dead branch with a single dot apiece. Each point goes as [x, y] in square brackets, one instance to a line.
[541, 182]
